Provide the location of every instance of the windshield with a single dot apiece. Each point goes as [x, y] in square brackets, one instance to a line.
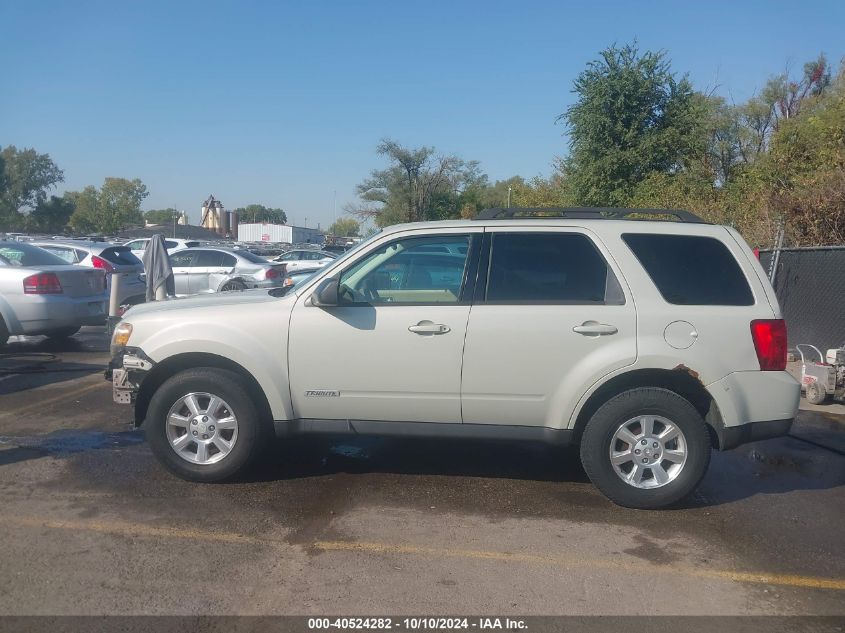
[20, 254]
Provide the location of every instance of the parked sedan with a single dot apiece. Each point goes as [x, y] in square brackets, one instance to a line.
[206, 270]
[172, 244]
[41, 294]
[305, 258]
[110, 258]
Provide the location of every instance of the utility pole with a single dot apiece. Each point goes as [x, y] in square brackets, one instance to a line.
[509, 197]
[175, 217]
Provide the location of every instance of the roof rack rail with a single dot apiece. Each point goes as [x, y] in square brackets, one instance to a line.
[581, 213]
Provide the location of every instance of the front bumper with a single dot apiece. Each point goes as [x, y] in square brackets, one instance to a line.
[126, 371]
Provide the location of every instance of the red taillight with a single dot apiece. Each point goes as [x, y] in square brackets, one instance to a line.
[271, 273]
[42, 284]
[769, 337]
[99, 262]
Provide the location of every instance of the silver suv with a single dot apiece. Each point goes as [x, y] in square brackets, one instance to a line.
[644, 342]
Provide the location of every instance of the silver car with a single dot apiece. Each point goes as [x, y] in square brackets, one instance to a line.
[41, 294]
[111, 258]
[206, 270]
[305, 258]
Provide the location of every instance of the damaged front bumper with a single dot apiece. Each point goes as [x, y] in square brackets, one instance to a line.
[126, 371]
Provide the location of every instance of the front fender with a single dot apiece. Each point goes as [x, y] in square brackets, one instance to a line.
[259, 349]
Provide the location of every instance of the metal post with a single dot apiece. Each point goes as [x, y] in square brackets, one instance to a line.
[773, 264]
[509, 197]
[116, 280]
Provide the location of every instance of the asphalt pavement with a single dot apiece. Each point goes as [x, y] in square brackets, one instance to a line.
[92, 525]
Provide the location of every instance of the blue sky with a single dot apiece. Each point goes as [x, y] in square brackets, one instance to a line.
[283, 103]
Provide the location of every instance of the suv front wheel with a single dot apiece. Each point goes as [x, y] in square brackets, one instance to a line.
[646, 448]
[203, 426]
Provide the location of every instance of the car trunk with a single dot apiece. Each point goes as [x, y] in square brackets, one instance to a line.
[79, 282]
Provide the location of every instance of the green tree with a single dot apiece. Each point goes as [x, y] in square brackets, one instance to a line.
[632, 117]
[804, 170]
[112, 208]
[25, 178]
[51, 216]
[160, 216]
[260, 213]
[418, 185]
[345, 227]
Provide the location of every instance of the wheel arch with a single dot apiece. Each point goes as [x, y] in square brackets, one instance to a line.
[681, 381]
[192, 360]
[239, 279]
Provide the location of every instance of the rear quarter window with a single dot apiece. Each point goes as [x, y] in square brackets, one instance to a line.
[691, 269]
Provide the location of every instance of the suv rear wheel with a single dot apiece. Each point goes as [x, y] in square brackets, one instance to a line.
[203, 426]
[646, 448]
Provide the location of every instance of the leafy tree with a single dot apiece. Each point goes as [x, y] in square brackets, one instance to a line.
[25, 178]
[260, 213]
[113, 207]
[51, 216]
[632, 118]
[160, 216]
[418, 185]
[345, 227]
[805, 169]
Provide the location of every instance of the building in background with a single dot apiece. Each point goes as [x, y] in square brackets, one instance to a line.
[216, 218]
[265, 232]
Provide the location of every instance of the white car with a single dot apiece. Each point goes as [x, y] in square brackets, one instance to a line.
[646, 343]
[110, 258]
[172, 244]
[304, 258]
[42, 294]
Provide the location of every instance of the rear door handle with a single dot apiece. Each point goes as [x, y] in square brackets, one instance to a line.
[593, 328]
[427, 327]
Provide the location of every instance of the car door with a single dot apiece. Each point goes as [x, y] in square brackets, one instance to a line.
[182, 264]
[550, 318]
[392, 349]
[292, 260]
[206, 269]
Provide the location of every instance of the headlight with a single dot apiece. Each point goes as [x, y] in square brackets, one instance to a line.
[120, 337]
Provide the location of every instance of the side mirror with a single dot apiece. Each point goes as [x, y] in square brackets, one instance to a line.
[326, 294]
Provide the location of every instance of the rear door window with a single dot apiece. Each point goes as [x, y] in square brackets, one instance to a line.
[182, 259]
[548, 268]
[209, 259]
[67, 254]
[691, 269]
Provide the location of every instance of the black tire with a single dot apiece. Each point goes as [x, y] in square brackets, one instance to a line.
[648, 401]
[815, 393]
[233, 285]
[65, 332]
[252, 431]
[4, 332]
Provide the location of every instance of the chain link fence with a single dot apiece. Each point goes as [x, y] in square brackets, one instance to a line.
[810, 286]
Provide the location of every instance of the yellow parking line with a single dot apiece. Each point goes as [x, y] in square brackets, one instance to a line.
[121, 528]
[790, 580]
[28, 408]
[134, 530]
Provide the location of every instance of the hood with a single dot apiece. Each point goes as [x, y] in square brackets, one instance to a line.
[198, 302]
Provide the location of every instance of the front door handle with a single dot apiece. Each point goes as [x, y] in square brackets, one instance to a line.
[427, 327]
[594, 328]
